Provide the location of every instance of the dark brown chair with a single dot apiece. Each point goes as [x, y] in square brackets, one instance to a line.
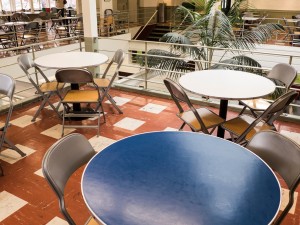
[83, 95]
[61, 160]
[282, 72]
[244, 127]
[31, 33]
[283, 156]
[201, 119]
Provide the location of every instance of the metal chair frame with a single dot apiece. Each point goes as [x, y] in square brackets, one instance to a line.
[7, 88]
[79, 77]
[179, 97]
[118, 59]
[282, 72]
[263, 122]
[283, 156]
[26, 63]
[61, 160]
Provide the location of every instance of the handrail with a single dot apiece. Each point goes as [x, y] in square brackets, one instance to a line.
[138, 34]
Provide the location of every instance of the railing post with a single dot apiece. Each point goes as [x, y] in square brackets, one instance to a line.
[146, 66]
[35, 70]
[80, 45]
[290, 60]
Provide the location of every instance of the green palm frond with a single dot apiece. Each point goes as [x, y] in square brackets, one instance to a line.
[176, 38]
[174, 63]
[235, 62]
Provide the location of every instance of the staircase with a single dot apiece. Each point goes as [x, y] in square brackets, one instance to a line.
[158, 32]
[153, 32]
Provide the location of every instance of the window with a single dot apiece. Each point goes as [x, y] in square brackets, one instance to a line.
[26, 4]
[71, 3]
[37, 4]
[6, 5]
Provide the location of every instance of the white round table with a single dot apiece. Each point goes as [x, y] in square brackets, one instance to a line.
[227, 85]
[71, 60]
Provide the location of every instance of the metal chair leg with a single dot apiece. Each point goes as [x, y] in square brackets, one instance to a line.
[108, 96]
[1, 171]
[13, 147]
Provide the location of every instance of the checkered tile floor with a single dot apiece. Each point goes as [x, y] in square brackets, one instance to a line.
[25, 197]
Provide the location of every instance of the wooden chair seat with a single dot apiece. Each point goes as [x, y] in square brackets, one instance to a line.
[239, 124]
[81, 96]
[92, 221]
[201, 119]
[257, 104]
[102, 82]
[209, 118]
[50, 86]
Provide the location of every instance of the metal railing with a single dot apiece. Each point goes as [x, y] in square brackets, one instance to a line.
[143, 78]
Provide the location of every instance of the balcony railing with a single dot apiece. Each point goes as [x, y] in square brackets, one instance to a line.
[141, 78]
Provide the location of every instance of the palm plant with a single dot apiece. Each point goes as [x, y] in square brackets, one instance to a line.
[209, 28]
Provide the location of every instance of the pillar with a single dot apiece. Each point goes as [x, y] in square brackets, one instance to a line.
[90, 29]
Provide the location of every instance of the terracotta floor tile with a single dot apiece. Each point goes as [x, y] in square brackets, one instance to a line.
[23, 178]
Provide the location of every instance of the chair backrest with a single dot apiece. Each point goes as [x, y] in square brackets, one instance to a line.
[179, 96]
[7, 85]
[278, 106]
[108, 12]
[272, 112]
[32, 26]
[26, 63]
[15, 17]
[118, 59]
[79, 76]
[287, 26]
[39, 20]
[25, 17]
[282, 155]
[54, 10]
[283, 72]
[61, 160]
[7, 88]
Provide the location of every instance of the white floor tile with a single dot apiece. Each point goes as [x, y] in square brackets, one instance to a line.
[61, 108]
[39, 173]
[11, 156]
[119, 100]
[129, 123]
[57, 221]
[23, 121]
[96, 117]
[55, 132]
[292, 135]
[9, 204]
[285, 200]
[170, 129]
[99, 143]
[153, 108]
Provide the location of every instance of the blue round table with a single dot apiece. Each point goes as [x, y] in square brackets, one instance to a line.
[172, 178]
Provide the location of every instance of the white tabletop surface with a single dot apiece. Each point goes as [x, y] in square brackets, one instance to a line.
[227, 84]
[250, 18]
[71, 60]
[16, 23]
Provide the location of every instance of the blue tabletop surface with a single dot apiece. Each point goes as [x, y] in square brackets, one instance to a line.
[170, 178]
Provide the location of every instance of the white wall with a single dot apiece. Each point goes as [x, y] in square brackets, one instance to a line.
[293, 5]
